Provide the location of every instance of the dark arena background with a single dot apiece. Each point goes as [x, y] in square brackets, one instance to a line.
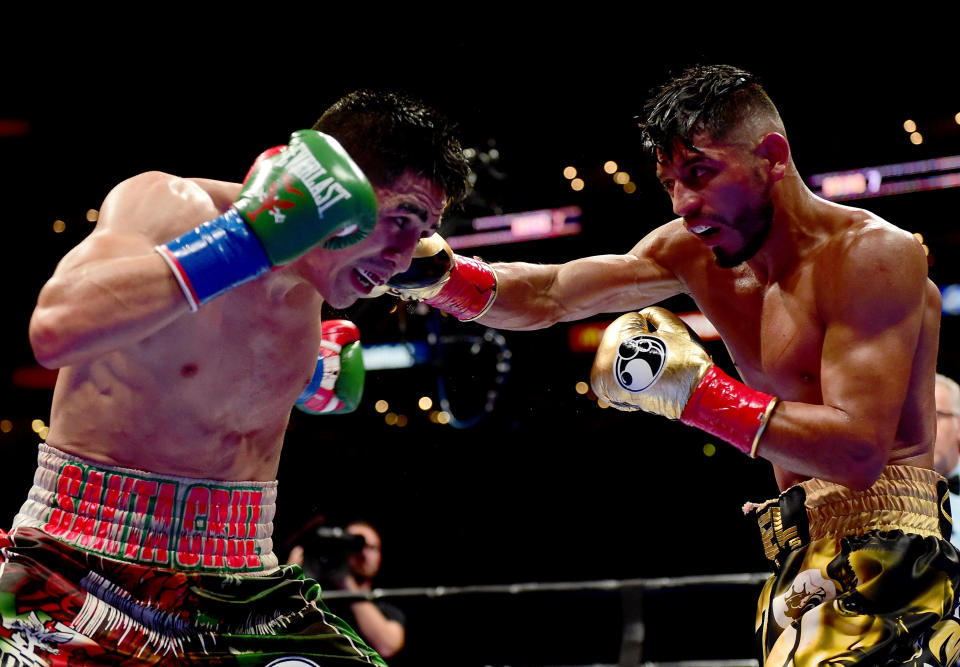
[523, 525]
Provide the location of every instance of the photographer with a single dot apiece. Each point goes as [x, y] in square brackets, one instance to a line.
[349, 559]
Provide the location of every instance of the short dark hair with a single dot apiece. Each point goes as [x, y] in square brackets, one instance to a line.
[388, 133]
[711, 98]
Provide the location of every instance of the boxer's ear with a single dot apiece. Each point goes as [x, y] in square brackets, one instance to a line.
[776, 151]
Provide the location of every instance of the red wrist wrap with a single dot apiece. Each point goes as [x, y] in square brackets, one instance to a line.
[470, 290]
[729, 409]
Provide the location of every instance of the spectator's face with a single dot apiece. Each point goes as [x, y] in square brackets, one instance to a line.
[946, 451]
[365, 564]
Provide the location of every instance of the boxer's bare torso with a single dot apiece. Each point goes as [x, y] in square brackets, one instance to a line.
[146, 384]
[835, 316]
[775, 332]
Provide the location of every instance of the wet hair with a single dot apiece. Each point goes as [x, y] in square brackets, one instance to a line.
[389, 133]
[716, 99]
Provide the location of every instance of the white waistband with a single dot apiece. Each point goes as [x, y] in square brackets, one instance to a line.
[142, 517]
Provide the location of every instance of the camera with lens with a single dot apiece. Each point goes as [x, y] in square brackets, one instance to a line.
[327, 552]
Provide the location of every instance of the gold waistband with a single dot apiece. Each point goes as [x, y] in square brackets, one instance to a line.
[903, 498]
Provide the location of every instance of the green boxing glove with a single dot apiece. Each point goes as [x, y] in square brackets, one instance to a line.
[337, 384]
[294, 198]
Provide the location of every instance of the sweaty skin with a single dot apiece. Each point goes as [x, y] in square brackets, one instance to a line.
[146, 384]
[834, 314]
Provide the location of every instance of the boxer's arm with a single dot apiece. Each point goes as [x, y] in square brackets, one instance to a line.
[534, 296]
[113, 289]
[873, 305]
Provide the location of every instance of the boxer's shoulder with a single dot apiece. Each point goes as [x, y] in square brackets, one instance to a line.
[869, 266]
[158, 206]
[855, 230]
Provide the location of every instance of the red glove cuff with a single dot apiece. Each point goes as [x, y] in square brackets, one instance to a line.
[729, 409]
[469, 292]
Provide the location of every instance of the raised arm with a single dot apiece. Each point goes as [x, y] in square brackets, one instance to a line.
[534, 296]
[209, 237]
[113, 289]
[522, 295]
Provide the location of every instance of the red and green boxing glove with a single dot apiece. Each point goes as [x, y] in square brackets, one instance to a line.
[337, 384]
[294, 198]
[649, 361]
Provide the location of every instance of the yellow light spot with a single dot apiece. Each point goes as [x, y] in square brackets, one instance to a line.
[93, 215]
[630, 187]
[610, 166]
[43, 432]
[582, 388]
[957, 119]
[918, 236]
[390, 419]
[59, 226]
[621, 177]
[443, 417]
[602, 403]
[570, 172]
[381, 406]
[6, 425]
[401, 421]
[709, 449]
[916, 139]
[577, 184]
[36, 425]
[909, 126]
[926, 250]
[425, 402]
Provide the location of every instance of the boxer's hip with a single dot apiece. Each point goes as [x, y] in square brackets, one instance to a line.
[912, 500]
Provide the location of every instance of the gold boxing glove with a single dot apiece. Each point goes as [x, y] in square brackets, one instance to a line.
[649, 361]
[462, 286]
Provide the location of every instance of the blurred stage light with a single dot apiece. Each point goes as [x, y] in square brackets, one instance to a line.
[525, 226]
[950, 295]
[891, 179]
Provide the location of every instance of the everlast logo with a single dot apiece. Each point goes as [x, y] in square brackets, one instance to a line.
[324, 189]
[163, 522]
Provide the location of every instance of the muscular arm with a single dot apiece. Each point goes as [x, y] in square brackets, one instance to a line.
[113, 290]
[534, 296]
[873, 306]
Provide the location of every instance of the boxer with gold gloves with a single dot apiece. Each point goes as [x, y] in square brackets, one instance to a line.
[833, 326]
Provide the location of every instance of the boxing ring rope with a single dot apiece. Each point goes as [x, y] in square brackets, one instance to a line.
[568, 586]
[632, 590]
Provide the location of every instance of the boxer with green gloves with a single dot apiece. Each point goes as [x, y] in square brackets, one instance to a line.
[156, 492]
[293, 199]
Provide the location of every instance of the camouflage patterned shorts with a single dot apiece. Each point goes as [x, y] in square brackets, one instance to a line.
[112, 566]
